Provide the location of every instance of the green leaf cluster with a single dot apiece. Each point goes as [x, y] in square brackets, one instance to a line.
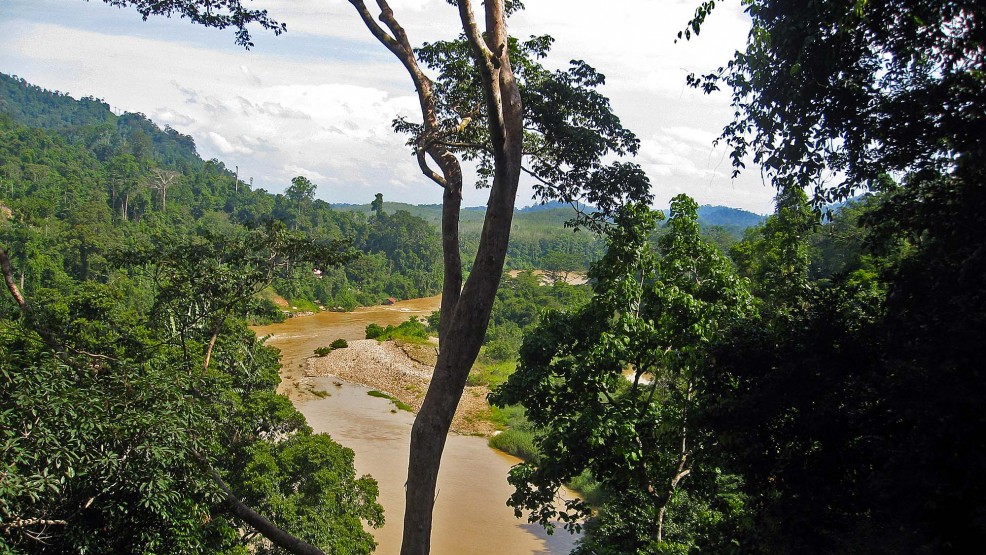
[116, 408]
[612, 387]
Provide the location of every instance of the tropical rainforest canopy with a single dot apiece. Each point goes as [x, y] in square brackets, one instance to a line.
[811, 383]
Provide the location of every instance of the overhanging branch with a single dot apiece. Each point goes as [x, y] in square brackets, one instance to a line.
[259, 522]
[422, 157]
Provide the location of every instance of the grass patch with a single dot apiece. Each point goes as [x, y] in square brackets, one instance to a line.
[302, 305]
[586, 486]
[411, 331]
[511, 416]
[490, 374]
[518, 442]
[320, 393]
[397, 402]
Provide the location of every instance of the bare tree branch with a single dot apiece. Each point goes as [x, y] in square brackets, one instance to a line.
[421, 155]
[25, 522]
[8, 278]
[259, 522]
[488, 65]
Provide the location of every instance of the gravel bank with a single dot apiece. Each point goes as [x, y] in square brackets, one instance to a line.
[386, 366]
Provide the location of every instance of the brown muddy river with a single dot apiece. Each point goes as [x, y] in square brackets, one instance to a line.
[471, 515]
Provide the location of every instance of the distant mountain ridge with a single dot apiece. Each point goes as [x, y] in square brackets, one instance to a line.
[730, 218]
[734, 220]
[34, 106]
[90, 122]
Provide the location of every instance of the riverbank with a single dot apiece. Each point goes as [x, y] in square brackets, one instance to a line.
[403, 371]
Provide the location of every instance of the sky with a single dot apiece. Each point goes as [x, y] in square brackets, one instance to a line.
[318, 100]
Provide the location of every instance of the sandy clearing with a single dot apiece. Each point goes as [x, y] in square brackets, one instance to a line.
[387, 367]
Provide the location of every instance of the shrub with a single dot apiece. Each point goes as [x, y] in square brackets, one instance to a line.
[339, 344]
[374, 331]
[412, 330]
[517, 442]
[589, 488]
[490, 374]
[433, 320]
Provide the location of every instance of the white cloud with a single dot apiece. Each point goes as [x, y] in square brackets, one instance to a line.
[174, 119]
[306, 172]
[225, 146]
[251, 78]
[321, 98]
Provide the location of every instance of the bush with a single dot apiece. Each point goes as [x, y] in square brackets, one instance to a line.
[500, 350]
[517, 442]
[502, 342]
[433, 320]
[589, 488]
[374, 331]
[263, 311]
[413, 331]
[337, 344]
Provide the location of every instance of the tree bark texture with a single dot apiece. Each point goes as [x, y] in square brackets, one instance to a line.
[465, 311]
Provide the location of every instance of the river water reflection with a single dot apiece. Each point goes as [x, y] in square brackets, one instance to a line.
[471, 515]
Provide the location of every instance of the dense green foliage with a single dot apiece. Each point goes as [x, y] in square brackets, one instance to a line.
[122, 402]
[79, 182]
[611, 389]
[520, 300]
[856, 392]
[839, 411]
[138, 262]
[412, 330]
[818, 392]
[541, 240]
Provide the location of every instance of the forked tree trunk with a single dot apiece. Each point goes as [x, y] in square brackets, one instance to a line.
[465, 311]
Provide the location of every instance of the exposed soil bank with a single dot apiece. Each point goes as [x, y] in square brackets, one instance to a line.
[387, 366]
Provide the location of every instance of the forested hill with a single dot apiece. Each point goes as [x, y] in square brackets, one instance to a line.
[96, 181]
[133, 397]
[733, 219]
[91, 122]
[540, 239]
[79, 184]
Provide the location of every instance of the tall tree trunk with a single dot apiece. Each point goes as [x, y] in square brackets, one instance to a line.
[470, 316]
[465, 311]
[83, 262]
